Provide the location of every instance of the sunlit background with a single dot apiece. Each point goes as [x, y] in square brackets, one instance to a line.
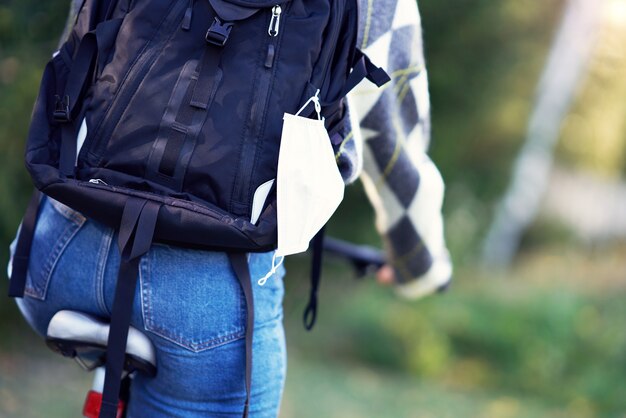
[529, 132]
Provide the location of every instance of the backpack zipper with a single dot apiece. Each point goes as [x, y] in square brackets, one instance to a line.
[255, 124]
[166, 200]
[95, 145]
[273, 31]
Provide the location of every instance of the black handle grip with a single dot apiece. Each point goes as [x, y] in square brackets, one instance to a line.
[363, 258]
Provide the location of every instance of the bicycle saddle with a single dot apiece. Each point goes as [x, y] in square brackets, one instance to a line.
[84, 338]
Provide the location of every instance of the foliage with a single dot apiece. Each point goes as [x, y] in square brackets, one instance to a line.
[29, 32]
[545, 332]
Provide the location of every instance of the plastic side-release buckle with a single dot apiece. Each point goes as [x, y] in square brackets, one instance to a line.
[93, 403]
[61, 108]
[218, 32]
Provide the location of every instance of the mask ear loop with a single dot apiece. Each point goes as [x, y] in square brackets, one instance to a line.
[275, 267]
[316, 101]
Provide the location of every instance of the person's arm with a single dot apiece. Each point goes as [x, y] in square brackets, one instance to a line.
[400, 180]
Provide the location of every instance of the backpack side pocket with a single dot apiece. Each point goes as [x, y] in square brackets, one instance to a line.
[44, 136]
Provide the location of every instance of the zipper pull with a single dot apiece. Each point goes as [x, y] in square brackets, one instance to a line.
[269, 58]
[275, 21]
[188, 14]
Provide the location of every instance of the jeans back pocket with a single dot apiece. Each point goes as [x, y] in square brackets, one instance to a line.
[191, 298]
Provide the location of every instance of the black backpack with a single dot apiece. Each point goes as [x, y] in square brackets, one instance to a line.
[162, 119]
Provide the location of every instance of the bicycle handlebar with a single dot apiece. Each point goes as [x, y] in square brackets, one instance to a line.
[364, 259]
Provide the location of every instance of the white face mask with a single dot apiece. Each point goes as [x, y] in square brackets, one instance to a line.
[309, 185]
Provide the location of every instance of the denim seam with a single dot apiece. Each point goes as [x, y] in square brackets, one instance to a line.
[197, 347]
[67, 212]
[39, 292]
[269, 321]
[103, 253]
[186, 343]
[144, 266]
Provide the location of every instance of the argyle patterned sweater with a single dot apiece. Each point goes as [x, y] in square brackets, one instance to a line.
[387, 149]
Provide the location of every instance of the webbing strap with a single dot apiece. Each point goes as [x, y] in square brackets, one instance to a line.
[19, 267]
[110, 9]
[135, 237]
[239, 262]
[183, 120]
[173, 147]
[81, 70]
[310, 313]
[209, 77]
[80, 74]
[67, 159]
[364, 68]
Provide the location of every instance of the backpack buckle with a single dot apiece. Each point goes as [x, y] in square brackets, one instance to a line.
[61, 108]
[218, 32]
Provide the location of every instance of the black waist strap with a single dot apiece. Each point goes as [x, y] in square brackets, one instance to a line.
[239, 262]
[135, 237]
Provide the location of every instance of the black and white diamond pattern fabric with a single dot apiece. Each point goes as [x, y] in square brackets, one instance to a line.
[391, 136]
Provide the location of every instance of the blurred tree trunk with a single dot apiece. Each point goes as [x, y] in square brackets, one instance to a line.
[566, 66]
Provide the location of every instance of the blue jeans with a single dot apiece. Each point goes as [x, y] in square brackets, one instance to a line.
[190, 304]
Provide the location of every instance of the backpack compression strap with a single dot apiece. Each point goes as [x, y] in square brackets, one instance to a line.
[69, 105]
[364, 68]
[66, 106]
[135, 237]
[174, 143]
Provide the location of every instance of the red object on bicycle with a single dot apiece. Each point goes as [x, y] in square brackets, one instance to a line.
[93, 403]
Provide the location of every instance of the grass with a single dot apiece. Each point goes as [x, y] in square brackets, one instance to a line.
[341, 390]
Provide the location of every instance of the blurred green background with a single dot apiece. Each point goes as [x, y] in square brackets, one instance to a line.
[544, 338]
